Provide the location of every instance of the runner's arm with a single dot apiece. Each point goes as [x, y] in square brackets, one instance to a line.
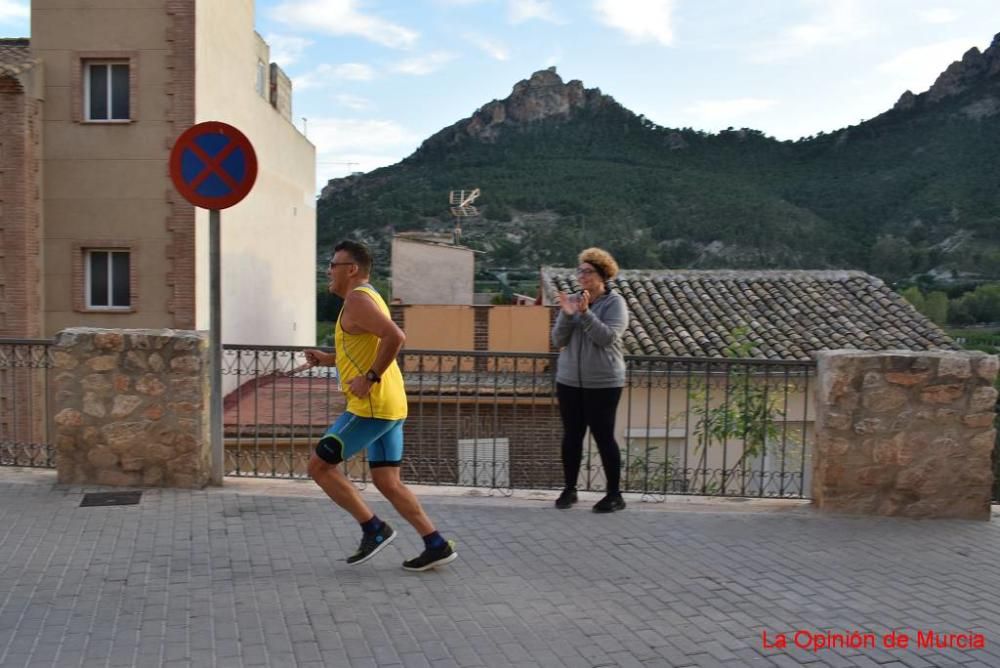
[320, 358]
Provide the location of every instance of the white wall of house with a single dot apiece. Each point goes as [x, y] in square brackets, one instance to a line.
[653, 426]
[268, 239]
[428, 273]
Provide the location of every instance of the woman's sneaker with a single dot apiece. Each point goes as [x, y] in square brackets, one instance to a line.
[372, 544]
[566, 499]
[610, 504]
[432, 558]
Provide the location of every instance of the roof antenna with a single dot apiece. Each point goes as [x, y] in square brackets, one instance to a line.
[461, 207]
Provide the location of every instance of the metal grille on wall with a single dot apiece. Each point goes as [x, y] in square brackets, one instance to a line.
[701, 426]
[25, 366]
[483, 419]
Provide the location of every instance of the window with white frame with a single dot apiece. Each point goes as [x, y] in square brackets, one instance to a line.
[106, 90]
[108, 284]
[786, 466]
[657, 444]
[483, 461]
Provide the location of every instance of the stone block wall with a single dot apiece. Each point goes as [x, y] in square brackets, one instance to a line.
[905, 433]
[131, 407]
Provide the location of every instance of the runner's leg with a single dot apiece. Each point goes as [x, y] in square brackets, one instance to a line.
[402, 498]
[385, 456]
[344, 439]
[339, 488]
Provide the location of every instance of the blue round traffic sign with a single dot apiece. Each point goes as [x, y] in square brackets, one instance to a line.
[213, 165]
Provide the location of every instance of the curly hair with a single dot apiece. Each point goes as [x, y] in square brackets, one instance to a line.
[601, 261]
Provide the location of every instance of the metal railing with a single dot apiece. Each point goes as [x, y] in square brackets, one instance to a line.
[24, 402]
[685, 425]
[483, 419]
[995, 454]
[273, 415]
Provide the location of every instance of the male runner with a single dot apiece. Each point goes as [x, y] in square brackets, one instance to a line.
[366, 343]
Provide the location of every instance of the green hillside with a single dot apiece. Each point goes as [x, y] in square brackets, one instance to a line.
[912, 191]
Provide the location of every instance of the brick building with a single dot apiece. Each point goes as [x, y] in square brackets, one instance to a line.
[20, 190]
[92, 232]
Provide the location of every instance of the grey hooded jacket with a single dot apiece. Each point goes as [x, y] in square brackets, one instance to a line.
[592, 353]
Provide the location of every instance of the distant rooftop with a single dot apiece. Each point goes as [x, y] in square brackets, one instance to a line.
[15, 56]
[433, 239]
[787, 314]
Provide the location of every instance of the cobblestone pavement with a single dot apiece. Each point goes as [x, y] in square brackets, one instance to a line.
[253, 575]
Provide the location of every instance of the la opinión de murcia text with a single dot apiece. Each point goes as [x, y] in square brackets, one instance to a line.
[817, 641]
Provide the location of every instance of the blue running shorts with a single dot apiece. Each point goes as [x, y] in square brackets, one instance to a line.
[351, 434]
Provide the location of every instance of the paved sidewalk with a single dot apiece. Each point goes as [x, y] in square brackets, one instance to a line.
[253, 575]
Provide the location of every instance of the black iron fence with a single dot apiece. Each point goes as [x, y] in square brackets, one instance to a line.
[25, 367]
[484, 419]
[274, 411]
[995, 455]
[685, 425]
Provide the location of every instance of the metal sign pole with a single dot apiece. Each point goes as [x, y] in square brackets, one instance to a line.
[205, 150]
[215, 345]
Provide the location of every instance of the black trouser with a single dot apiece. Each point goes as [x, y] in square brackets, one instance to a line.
[580, 408]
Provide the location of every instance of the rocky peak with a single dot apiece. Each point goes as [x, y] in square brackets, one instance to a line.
[974, 67]
[906, 100]
[541, 96]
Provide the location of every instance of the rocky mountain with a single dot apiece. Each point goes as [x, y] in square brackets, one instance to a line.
[543, 96]
[971, 70]
[912, 191]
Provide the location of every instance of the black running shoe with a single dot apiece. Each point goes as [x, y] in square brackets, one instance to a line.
[372, 544]
[432, 558]
[610, 504]
[566, 499]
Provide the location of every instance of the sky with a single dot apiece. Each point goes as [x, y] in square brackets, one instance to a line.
[374, 78]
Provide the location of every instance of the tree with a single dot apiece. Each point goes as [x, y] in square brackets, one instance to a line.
[913, 295]
[890, 257]
[958, 312]
[327, 305]
[936, 307]
[750, 413]
[984, 303]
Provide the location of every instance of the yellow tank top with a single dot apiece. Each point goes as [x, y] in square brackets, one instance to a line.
[355, 355]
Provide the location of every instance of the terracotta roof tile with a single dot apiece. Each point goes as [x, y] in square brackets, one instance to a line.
[282, 406]
[786, 314]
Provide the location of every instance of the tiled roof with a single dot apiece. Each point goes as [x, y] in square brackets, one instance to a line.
[282, 406]
[15, 56]
[786, 314]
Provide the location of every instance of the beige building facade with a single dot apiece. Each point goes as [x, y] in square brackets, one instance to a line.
[431, 271]
[114, 84]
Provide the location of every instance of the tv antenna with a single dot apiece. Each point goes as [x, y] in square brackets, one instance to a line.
[462, 207]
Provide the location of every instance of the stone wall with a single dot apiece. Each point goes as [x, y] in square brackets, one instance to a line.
[905, 433]
[131, 407]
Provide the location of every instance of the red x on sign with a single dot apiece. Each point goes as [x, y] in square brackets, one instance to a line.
[213, 165]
